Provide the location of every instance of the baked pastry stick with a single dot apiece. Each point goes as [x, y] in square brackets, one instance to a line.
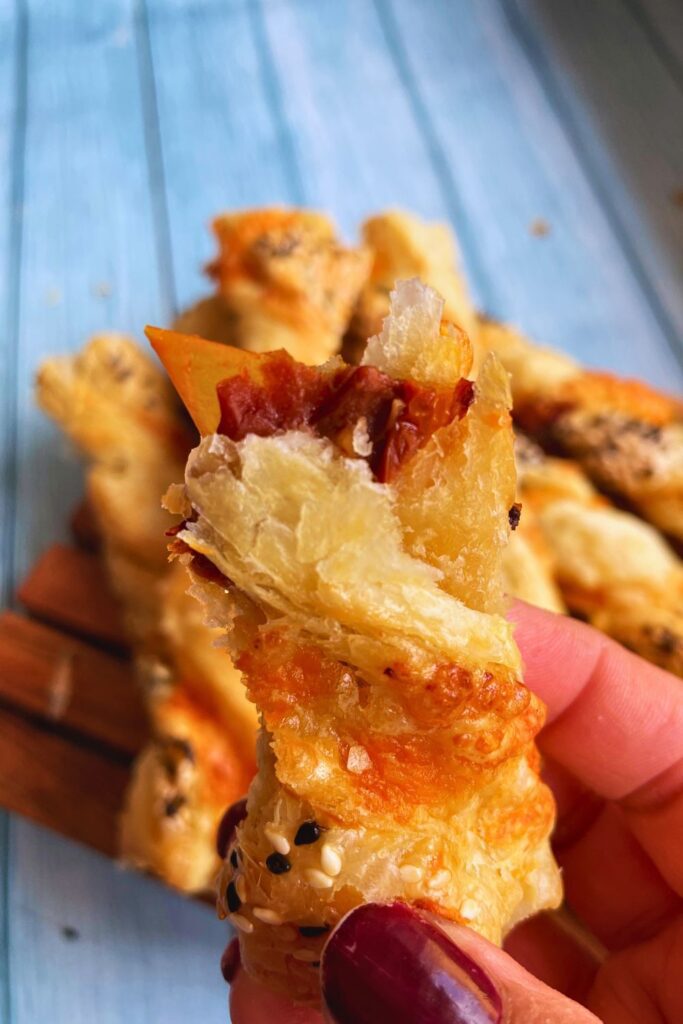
[627, 436]
[120, 410]
[287, 281]
[346, 526]
[404, 246]
[613, 569]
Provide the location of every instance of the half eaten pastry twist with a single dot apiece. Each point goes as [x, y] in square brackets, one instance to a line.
[345, 526]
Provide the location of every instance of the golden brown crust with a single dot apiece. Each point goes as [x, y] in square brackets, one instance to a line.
[182, 782]
[120, 410]
[625, 434]
[613, 569]
[403, 246]
[287, 280]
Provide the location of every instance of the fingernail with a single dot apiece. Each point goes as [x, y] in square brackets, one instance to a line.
[388, 964]
[229, 822]
[230, 961]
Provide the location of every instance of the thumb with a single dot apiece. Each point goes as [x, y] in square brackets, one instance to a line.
[390, 963]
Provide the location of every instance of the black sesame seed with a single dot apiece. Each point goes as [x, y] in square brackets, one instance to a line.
[277, 864]
[312, 931]
[315, 963]
[173, 805]
[234, 902]
[308, 832]
[234, 860]
[514, 515]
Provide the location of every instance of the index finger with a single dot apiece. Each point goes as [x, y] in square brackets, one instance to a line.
[615, 721]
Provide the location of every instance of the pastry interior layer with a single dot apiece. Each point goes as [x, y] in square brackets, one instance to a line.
[361, 598]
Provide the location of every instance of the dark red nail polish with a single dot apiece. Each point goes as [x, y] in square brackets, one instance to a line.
[229, 822]
[388, 964]
[230, 961]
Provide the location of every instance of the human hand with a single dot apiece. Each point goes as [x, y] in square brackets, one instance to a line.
[613, 747]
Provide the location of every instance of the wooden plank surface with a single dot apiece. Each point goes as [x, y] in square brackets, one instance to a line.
[662, 21]
[584, 54]
[85, 257]
[12, 103]
[71, 685]
[69, 587]
[222, 143]
[88, 245]
[132, 125]
[40, 771]
[136, 953]
[512, 162]
[358, 149]
[12, 83]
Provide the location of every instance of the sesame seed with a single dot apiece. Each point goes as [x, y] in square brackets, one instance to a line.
[277, 840]
[308, 832]
[233, 898]
[318, 879]
[266, 915]
[312, 931]
[330, 860]
[241, 886]
[277, 864]
[440, 879]
[410, 873]
[234, 859]
[308, 956]
[358, 760]
[469, 910]
[241, 923]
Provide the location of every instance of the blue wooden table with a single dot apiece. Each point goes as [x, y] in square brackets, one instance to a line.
[125, 124]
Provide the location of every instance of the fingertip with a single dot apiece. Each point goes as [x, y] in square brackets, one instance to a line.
[558, 653]
[560, 957]
[250, 1003]
[614, 721]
